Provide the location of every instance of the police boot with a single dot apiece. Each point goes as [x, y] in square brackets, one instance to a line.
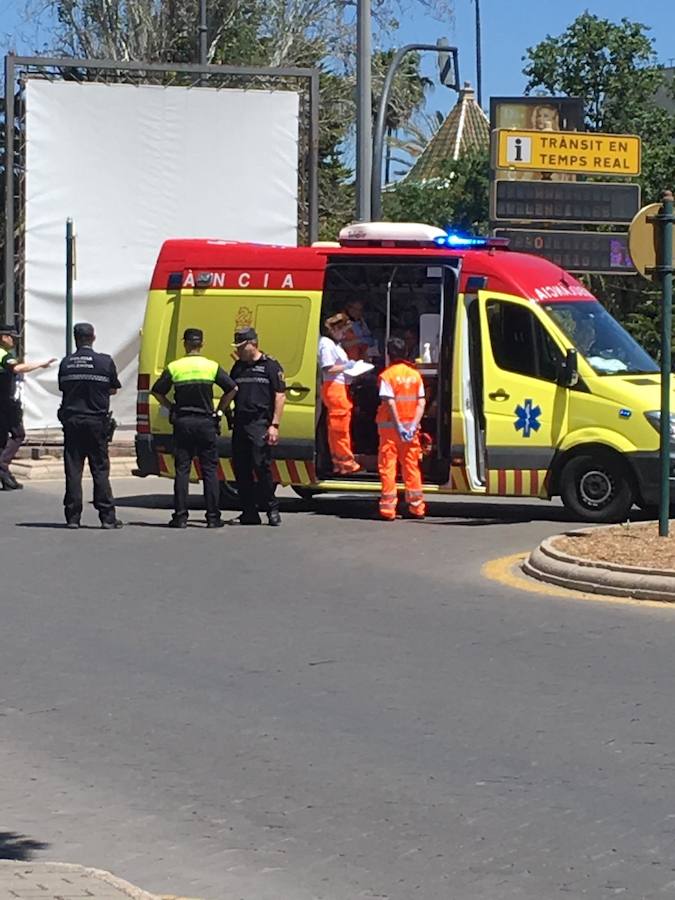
[9, 482]
[177, 522]
[273, 517]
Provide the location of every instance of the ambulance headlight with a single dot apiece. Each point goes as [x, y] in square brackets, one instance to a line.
[654, 419]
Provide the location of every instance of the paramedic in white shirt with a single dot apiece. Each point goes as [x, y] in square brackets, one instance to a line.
[334, 364]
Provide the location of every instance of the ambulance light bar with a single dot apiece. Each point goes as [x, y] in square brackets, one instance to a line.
[389, 234]
[459, 241]
[411, 234]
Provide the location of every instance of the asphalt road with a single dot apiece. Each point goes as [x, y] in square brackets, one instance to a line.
[335, 709]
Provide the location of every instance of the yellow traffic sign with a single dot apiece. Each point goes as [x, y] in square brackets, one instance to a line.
[583, 152]
[644, 241]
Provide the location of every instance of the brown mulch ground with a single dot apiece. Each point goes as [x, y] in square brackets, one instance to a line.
[627, 545]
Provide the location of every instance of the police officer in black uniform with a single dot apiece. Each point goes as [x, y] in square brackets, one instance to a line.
[258, 407]
[87, 379]
[12, 433]
[195, 423]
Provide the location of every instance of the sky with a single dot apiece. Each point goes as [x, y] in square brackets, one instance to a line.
[509, 28]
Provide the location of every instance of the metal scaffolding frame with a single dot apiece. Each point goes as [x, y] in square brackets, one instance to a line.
[305, 81]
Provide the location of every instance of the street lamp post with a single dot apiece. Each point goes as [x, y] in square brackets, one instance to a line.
[449, 59]
[203, 33]
[364, 112]
[479, 64]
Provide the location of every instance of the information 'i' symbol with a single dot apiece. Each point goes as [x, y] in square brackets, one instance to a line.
[519, 150]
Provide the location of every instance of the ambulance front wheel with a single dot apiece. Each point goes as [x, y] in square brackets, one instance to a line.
[597, 488]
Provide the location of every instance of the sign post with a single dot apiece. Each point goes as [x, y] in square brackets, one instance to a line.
[666, 217]
[651, 249]
[69, 285]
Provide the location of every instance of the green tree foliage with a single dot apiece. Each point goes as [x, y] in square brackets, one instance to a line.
[613, 68]
[458, 198]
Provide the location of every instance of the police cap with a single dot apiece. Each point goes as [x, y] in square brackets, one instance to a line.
[244, 335]
[8, 329]
[193, 336]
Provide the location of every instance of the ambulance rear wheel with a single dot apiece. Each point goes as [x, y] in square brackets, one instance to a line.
[596, 488]
[228, 495]
[305, 493]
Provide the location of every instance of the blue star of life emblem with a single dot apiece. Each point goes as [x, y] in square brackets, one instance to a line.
[527, 418]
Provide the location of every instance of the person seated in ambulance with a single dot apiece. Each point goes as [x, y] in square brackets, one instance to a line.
[411, 339]
[335, 365]
[603, 362]
[358, 340]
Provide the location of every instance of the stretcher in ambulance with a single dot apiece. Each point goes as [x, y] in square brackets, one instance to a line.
[533, 389]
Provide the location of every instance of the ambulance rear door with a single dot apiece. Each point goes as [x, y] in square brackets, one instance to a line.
[287, 323]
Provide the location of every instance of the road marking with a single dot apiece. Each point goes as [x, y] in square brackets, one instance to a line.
[506, 571]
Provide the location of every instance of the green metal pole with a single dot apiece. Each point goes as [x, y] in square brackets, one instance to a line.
[69, 286]
[666, 337]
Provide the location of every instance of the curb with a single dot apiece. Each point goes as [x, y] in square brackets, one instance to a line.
[45, 868]
[50, 467]
[547, 563]
[125, 888]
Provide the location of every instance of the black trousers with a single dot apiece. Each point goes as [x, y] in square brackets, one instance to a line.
[85, 437]
[195, 436]
[12, 433]
[252, 464]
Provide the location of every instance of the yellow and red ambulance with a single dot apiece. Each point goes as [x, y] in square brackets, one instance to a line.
[533, 389]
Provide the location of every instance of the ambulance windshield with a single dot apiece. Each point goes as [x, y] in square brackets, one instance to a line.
[599, 338]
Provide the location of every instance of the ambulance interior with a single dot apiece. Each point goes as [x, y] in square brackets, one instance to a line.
[414, 301]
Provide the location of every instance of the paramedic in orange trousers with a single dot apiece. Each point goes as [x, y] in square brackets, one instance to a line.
[398, 420]
[335, 366]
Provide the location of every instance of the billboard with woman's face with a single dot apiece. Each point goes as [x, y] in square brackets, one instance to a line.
[536, 114]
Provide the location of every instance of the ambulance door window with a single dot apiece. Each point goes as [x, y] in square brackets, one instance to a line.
[282, 327]
[520, 343]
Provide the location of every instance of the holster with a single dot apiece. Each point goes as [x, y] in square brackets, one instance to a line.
[110, 426]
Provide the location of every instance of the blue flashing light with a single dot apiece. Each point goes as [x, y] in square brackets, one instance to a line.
[452, 239]
[464, 241]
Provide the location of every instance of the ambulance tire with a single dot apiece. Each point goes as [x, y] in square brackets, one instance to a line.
[305, 493]
[597, 488]
[228, 496]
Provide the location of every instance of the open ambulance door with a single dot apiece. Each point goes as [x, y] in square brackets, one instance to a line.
[409, 298]
[518, 408]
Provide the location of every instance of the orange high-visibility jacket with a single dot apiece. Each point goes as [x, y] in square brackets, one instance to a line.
[407, 386]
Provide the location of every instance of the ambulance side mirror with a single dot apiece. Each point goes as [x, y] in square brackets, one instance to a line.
[568, 372]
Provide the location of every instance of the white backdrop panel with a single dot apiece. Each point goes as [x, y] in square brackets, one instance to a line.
[133, 166]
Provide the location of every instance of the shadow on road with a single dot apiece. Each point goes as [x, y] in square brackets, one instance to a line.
[453, 514]
[153, 501]
[18, 846]
[61, 526]
[468, 513]
[196, 503]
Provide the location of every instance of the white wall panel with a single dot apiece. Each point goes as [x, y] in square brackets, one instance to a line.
[133, 166]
